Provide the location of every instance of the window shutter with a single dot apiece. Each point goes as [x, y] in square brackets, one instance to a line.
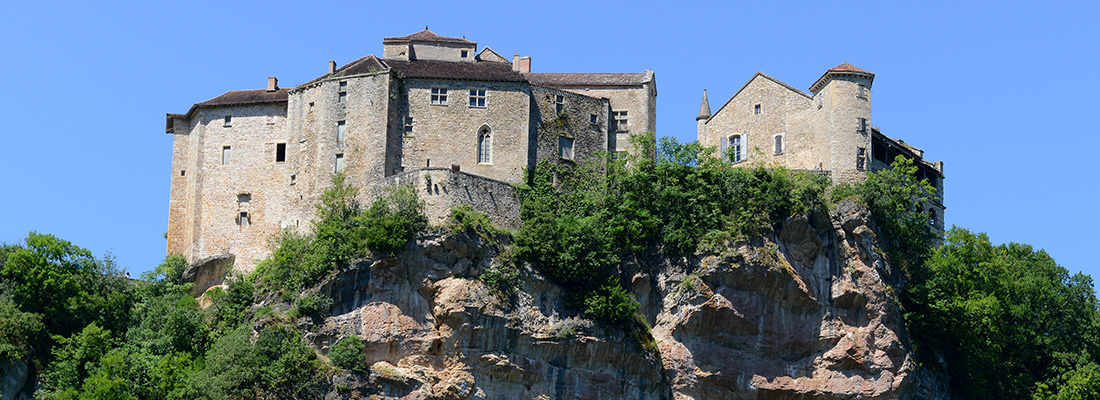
[725, 144]
[744, 146]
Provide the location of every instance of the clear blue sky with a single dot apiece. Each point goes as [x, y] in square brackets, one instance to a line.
[1002, 92]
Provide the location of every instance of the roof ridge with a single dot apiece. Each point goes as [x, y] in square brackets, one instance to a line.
[766, 76]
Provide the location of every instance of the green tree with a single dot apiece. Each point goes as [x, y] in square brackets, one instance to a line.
[348, 354]
[48, 276]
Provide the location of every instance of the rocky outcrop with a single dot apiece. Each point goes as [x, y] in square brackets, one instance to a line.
[806, 312]
[208, 272]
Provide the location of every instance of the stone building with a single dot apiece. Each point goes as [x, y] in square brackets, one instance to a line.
[828, 129]
[458, 122]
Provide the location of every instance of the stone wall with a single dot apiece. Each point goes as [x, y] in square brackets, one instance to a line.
[640, 102]
[573, 122]
[445, 135]
[782, 112]
[443, 189]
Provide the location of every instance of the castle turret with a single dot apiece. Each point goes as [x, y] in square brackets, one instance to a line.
[704, 114]
[842, 97]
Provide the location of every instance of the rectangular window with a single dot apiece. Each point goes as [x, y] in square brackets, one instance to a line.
[243, 219]
[861, 158]
[735, 148]
[559, 103]
[280, 152]
[339, 163]
[592, 118]
[343, 93]
[863, 125]
[408, 126]
[619, 121]
[477, 98]
[311, 107]
[778, 144]
[465, 53]
[756, 109]
[228, 120]
[862, 91]
[226, 156]
[341, 131]
[183, 172]
[439, 96]
[565, 147]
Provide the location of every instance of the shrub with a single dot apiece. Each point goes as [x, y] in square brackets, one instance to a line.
[611, 303]
[392, 219]
[312, 304]
[348, 354]
[465, 218]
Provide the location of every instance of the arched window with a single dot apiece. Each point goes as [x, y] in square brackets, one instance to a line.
[484, 146]
[778, 144]
[733, 148]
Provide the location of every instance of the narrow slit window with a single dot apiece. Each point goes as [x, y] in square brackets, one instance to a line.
[183, 172]
[227, 154]
[863, 125]
[484, 147]
[778, 144]
[341, 131]
[243, 219]
[339, 163]
[280, 152]
[756, 109]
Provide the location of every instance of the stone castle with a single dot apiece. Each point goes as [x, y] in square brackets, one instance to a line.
[458, 123]
[461, 124]
[827, 130]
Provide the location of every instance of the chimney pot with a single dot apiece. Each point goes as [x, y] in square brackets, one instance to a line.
[331, 66]
[272, 83]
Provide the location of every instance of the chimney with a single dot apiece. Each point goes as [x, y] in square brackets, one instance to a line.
[515, 62]
[525, 65]
[272, 83]
[331, 66]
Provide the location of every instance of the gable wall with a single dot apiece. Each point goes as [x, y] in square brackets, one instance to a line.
[782, 112]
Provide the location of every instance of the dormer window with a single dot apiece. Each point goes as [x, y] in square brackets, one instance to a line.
[465, 53]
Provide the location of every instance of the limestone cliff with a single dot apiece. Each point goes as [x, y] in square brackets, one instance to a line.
[806, 312]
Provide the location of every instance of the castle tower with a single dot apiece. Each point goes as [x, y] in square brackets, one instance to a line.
[842, 97]
[704, 114]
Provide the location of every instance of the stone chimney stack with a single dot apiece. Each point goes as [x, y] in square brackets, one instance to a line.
[525, 65]
[515, 62]
[272, 83]
[331, 66]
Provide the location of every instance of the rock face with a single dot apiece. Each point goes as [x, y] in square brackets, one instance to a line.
[208, 272]
[802, 313]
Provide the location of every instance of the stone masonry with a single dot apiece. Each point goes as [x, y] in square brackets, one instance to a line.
[829, 129]
[250, 163]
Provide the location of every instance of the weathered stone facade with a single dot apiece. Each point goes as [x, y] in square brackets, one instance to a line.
[829, 129]
[432, 105]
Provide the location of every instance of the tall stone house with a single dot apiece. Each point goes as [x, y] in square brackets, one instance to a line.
[828, 129]
[457, 122]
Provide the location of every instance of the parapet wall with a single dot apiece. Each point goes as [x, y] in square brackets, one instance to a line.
[443, 189]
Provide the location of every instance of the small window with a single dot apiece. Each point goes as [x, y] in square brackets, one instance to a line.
[862, 125]
[341, 131]
[756, 109]
[408, 126]
[465, 53]
[311, 107]
[183, 172]
[226, 154]
[243, 199]
[477, 98]
[778, 144]
[619, 121]
[439, 96]
[592, 118]
[339, 163]
[861, 158]
[931, 216]
[484, 147]
[862, 91]
[228, 120]
[343, 93]
[565, 147]
[559, 103]
[280, 152]
[243, 219]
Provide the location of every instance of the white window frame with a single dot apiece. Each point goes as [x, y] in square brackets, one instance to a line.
[439, 96]
[740, 150]
[485, 146]
[481, 94]
[620, 121]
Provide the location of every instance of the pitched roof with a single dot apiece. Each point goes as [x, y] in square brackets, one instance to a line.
[754, 76]
[233, 98]
[426, 36]
[587, 79]
[839, 69]
[364, 65]
[465, 70]
[488, 54]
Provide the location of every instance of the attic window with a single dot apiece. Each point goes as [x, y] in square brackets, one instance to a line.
[280, 152]
[465, 53]
[756, 109]
[228, 120]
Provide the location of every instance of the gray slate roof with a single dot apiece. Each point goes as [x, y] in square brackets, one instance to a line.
[586, 79]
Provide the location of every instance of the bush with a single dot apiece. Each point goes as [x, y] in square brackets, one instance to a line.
[312, 304]
[611, 303]
[465, 218]
[348, 354]
[391, 221]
